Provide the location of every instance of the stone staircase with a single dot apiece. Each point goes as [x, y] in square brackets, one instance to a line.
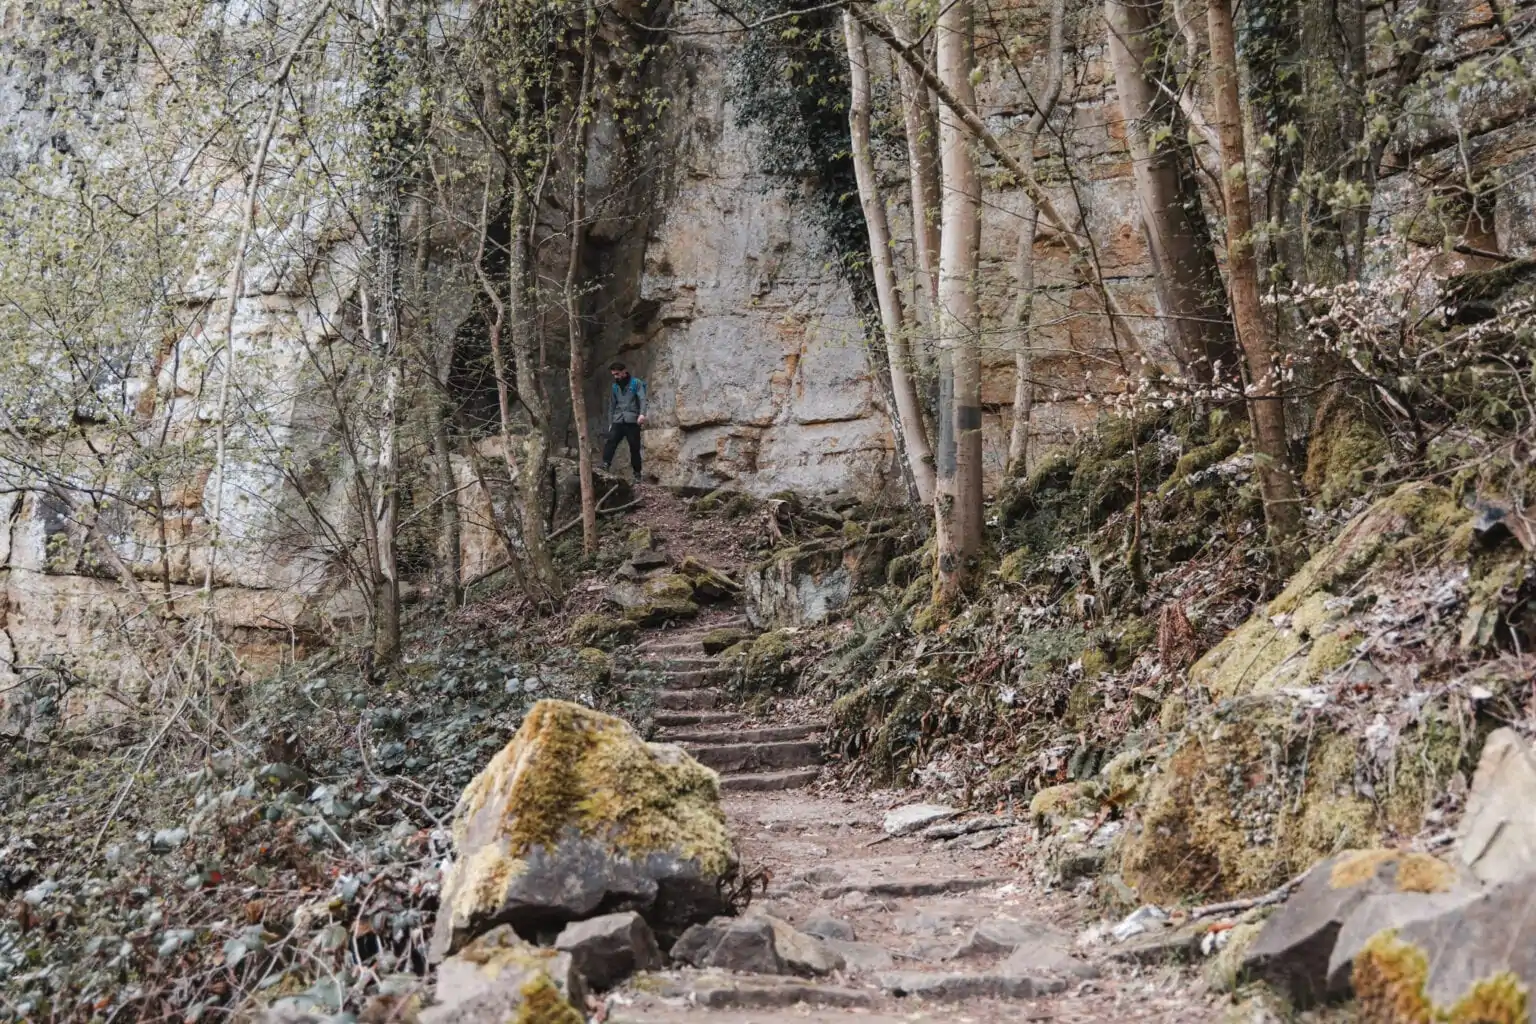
[692, 710]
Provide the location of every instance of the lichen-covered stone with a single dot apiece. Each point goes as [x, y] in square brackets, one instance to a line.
[1498, 829]
[601, 631]
[723, 639]
[1295, 950]
[1473, 963]
[1053, 806]
[500, 979]
[656, 600]
[576, 813]
[593, 665]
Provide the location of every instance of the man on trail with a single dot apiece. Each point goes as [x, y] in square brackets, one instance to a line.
[626, 415]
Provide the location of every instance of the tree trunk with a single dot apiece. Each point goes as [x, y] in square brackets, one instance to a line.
[527, 357]
[958, 509]
[1184, 265]
[1266, 403]
[922, 129]
[578, 371]
[1024, 303]
[898, 354]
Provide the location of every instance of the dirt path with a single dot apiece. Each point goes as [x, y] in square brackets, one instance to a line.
[826, 859]
[919, 928]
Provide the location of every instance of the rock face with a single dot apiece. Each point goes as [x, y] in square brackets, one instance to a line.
[578, 815]
[499, 977]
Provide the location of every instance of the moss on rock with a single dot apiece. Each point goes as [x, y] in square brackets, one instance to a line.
[1054, 806]
[723, 639]
[602, 631]
[1248, 797]
[594, 666]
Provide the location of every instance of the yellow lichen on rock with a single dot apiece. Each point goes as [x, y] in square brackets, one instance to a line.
[1391, 980]
[543, 1004]
[570, 768]
[1416, 872]
[1247, 798]
[1057, 804]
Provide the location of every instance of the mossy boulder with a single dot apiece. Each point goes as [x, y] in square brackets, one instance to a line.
[1016, 564]
[763, 661]
[578, 813]
[601, 631]
[1054, 806]
[709, 583]
[723, 639]
[656, 600]
[501, 979]
[641, 539]
[1346, 451]
[593, 666]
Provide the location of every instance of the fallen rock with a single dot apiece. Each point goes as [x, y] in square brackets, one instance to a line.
[601, 631]
[1472, 962]
[1006, 934]
[719, 991]
[1139, 922]
[825, 927]
[1498, 828]
[608, 949]
[1039, 956]
[1378, 913]
[802, 954]
[724, 638]
[908, 889]
[861, 957]
[499, 977]
[956, 829]
[1163, 946]
[1293, 950]
[656, 600]
[903, 821]
[1054, 806]
[576, 813]
[953, 988]
[709, 583]
[757, 944]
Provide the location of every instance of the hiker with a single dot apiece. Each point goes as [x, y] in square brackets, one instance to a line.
[626, 415]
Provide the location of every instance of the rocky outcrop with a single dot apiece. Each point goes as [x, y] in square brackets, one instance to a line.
[578, 815]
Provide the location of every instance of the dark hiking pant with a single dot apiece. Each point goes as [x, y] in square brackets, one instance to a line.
[623, 432]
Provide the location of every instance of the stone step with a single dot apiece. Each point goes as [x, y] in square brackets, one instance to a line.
[683, 664]
[688, 700]
[666, 719]
[766, 782]
[757, 757]
[768, 734]
[690, 635]
[695, 679]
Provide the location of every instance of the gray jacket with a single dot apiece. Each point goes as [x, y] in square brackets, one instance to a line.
[626, 402]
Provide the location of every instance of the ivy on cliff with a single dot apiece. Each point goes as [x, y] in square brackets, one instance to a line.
[789, 82]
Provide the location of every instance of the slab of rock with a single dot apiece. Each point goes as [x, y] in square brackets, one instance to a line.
[1497, 839]
[1033, 959]
[718, 991]
[800, 953]
[1377, 913]
[956, 829]
[1006, 934]
[1472, 962]
[499, 977]
[953, 987]
[861, 957]
[824, 927]
[1292, 952]
[911, 888]
[757, 944]
[658, 599]
[903, 821]
[610, 948]
[1164, 946]
[577, 813]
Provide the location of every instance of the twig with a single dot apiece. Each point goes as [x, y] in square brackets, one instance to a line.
[143, 758]
[600, 511]
[1273, 896]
